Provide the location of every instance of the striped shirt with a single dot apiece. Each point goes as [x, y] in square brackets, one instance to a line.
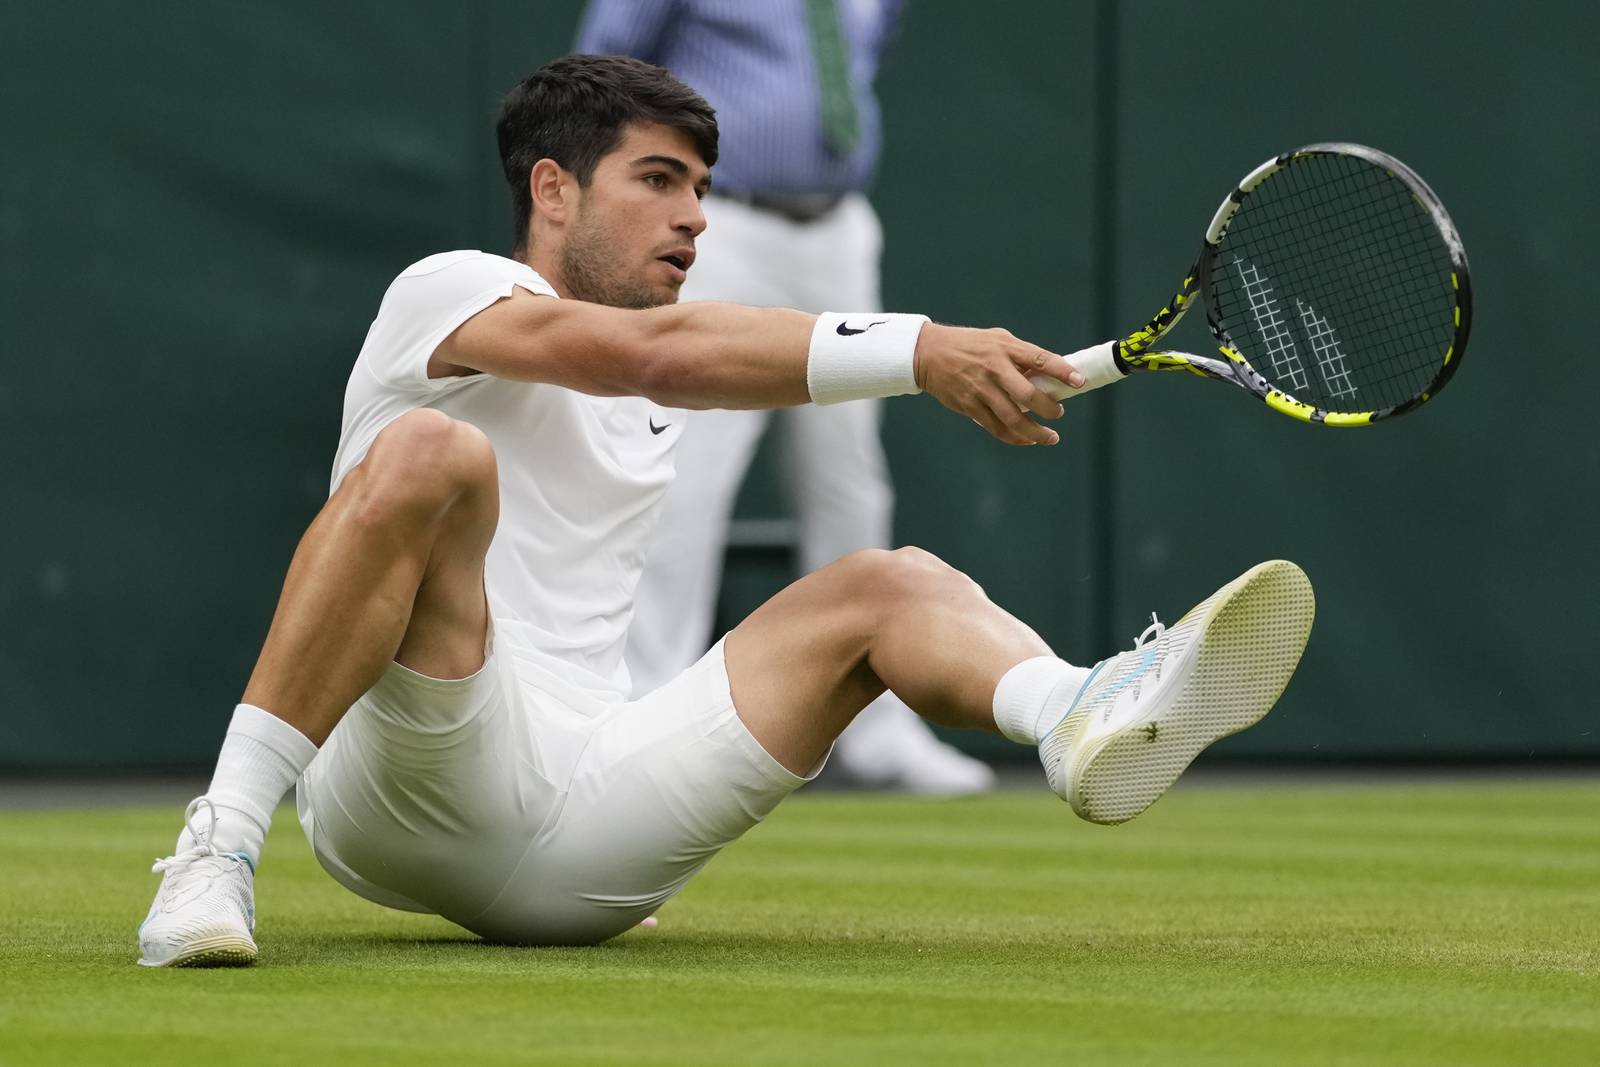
[752, 61]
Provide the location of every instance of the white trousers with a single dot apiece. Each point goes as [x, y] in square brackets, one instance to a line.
[832, 459]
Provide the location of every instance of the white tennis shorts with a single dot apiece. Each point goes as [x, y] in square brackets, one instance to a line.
[488, 802]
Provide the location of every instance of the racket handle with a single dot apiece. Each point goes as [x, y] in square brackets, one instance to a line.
[1097, 365]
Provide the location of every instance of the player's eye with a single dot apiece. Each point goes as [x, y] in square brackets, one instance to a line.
[656, 181]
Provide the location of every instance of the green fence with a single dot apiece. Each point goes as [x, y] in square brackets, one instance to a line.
[200, 206]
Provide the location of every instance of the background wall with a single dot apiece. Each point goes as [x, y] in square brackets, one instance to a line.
[200, 207]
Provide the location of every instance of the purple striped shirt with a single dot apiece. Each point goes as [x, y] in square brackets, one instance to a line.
[752, 61]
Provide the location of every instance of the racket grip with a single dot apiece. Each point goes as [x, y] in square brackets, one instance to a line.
[1097, 364]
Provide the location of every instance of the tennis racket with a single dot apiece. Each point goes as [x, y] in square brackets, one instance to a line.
[1334, 283]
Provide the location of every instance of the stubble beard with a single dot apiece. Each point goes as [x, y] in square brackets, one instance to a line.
[588, 266]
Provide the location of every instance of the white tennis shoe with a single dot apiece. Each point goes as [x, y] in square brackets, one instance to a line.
[1144, 715]
[205, 909]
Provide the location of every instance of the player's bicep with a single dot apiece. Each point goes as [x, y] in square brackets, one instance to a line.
[472, 346]
[528, 337]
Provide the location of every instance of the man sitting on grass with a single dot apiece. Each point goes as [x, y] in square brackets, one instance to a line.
[444, 673]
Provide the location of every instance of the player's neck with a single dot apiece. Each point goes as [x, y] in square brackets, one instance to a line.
[546, 266]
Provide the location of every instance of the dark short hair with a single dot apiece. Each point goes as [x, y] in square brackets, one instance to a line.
[574, 110]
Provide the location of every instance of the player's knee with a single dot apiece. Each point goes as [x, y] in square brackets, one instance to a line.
[471, 458]
[422, 462]
[893, 579]
[918, 569]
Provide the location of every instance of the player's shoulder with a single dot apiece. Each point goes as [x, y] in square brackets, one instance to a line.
[472, 267]
[468, 257]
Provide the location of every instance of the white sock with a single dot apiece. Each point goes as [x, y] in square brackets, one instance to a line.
[262, 757]
[1033, 696]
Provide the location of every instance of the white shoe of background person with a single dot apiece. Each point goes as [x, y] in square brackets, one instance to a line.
[205, 910]
[1142, 716]
[889, 748]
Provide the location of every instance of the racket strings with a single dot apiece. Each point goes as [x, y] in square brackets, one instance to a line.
[1334, 282]
[1350, 214]
[1340, 219]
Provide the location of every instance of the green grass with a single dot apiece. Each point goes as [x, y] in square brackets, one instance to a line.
[1453, 924]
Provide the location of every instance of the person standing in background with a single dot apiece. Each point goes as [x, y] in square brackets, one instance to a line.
[789, 226]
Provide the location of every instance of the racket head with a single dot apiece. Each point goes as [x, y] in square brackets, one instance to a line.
[1335, 284]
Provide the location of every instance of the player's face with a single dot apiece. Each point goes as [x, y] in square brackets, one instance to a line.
[632, 241]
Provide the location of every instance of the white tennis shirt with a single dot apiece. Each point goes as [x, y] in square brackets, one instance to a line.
[580, 476]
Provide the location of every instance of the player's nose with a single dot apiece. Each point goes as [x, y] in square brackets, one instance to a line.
[690, 218]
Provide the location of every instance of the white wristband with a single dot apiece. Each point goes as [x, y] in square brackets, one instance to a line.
[1095, 363]
[854, 357]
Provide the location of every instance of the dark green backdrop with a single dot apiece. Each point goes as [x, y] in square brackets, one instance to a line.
[200, 206]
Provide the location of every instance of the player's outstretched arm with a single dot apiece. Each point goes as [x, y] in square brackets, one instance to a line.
[708, 355]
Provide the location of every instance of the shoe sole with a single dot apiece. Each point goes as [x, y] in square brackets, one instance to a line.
[224, 950]
[1254, 630]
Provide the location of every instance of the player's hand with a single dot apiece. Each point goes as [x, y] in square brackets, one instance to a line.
[983, 374]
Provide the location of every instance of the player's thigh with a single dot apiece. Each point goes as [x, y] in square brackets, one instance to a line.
[436, 476]
[662, 785]
[798, 666]
[449, 619]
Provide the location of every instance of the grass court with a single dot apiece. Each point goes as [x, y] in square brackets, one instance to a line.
[1337, 923]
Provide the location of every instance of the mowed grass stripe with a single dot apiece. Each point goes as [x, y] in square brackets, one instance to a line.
[1440, 924]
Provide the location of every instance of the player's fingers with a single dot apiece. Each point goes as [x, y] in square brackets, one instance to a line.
[1030, 397]
[1048, 371]
[994, 428]
[1023, 429]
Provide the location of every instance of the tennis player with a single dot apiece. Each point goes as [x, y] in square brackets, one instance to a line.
[444, 673]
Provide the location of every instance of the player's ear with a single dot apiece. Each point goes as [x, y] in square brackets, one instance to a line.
[552, 189]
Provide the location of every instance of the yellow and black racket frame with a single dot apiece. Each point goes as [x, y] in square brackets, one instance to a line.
[1137, 351]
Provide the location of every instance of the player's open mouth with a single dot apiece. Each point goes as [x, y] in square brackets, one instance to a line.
[680, 260]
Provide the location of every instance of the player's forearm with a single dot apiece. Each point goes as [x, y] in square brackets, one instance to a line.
[708, 355]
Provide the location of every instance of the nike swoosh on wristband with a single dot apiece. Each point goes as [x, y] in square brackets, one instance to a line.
[657, 429]
[844, 330]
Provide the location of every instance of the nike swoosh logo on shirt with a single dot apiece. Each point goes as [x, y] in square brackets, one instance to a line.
[844, 330]
[657, 429]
